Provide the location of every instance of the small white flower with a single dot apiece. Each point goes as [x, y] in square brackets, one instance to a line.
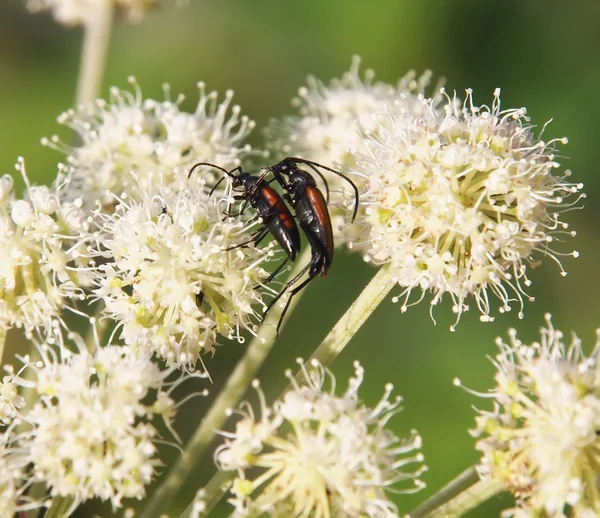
[130, 134]
[542, 437]
[40, 244]
[318, 454]
[462, 205]
[77, 12]
[91, 430]
[174, 282]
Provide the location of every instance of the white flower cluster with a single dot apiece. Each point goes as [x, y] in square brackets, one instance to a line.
[462, 206]
[92, 434]
[129, 134]
[318, 454]
[79, 12]
[542, 438]
[457, 200]
[40, 244]
[173, 281]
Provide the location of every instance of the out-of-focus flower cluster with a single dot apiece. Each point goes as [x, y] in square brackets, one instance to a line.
[79, 12]
[457, 199]
[541, 439]
[319, 454]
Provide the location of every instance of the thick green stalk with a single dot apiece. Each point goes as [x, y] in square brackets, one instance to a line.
[229, 397]
[93, 54]
[356, 315]
[3, 333]
[458, 497]
[62, 506]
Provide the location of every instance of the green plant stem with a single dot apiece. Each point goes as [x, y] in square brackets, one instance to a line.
[62, 506]
[3, 333]
[229, 397]
[217, 486]
[356, 315]
[93, 54]
[95, 333]
[333, 344]
[461, 495]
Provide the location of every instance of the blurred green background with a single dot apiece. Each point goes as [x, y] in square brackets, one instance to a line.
[543, 54]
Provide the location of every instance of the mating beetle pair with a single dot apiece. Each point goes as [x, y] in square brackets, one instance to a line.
[310, 207]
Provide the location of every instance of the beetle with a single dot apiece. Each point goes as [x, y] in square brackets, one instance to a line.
[311, 211]
[270, 206]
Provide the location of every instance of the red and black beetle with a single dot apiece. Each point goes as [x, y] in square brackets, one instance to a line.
[311, 211]
[276, 217]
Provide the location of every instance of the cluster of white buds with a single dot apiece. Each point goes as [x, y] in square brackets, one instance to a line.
[80, 12]
[319, 454]
[173, 281]
[40, 244]
[542, 439]
[129, 134]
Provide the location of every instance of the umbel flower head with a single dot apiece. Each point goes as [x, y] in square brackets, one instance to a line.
[319, 454]
[331, 121]
[542, 438]
[78, 12]
[40, 243]
[129, 134]
[173, 281]
[91, 432]
[461, 206]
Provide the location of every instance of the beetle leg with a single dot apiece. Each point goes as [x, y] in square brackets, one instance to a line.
[256, 238]
[242, 209]
[289, 301]
[287, 286]
[276, 271]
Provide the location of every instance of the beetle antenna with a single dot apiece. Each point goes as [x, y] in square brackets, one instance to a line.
[208, 164]
[216, 185]
[316, 164]
[228, 173]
